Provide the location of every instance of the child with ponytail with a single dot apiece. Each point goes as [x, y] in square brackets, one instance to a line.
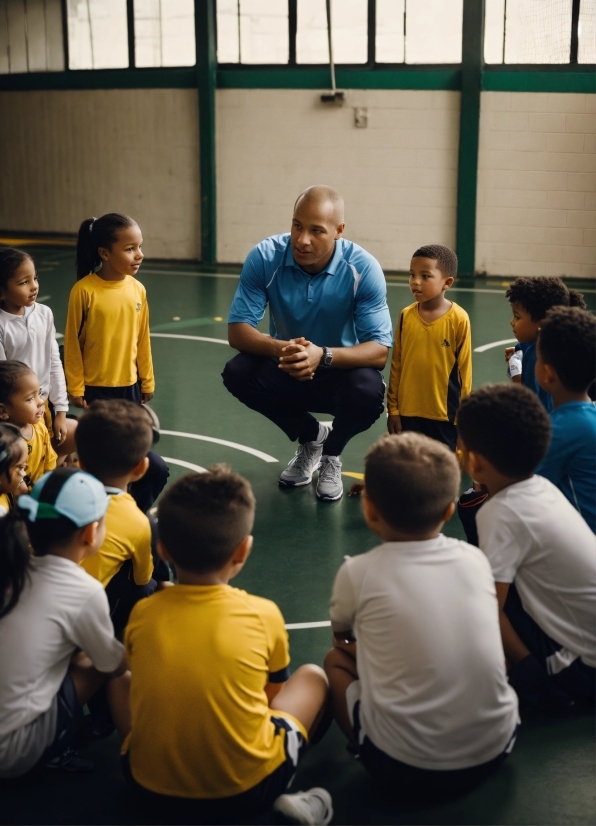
[107, 349]
[57, 645]
[27, 334]
[13, 466]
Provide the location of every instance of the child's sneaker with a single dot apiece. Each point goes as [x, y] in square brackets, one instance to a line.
[313, 806]
[70, 761]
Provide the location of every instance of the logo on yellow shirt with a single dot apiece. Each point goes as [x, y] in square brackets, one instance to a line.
[445, 343]
[138, 307]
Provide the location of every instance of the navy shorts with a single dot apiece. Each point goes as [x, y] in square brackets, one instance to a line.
[445, 432]
[410, 782]
[240, 807]
[69, 720]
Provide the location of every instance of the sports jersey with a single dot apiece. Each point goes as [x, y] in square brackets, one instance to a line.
[106, 340]
[31, 338]
[528, 374]
[41, 455]
[344, 305]
[202, 655]
[570, 463]
[431, 366]
[128, 536]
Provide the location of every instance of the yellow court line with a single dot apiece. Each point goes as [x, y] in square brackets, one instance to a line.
[37, 242]
[353, 475]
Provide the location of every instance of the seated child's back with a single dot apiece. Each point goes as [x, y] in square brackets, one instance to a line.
[431, 687]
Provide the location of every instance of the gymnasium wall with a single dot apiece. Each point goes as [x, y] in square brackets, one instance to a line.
[536, 184]
[67, 155]
[398, 175]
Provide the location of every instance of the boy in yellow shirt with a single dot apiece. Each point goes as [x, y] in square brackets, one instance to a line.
[22, 405]
[232, 723]
[431, 367]
[113, 438]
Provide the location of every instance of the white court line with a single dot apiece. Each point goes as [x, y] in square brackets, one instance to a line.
[296, 626]
[195, 274]
[258, 453]
[494, 344]
[182, 463]
[190, 338]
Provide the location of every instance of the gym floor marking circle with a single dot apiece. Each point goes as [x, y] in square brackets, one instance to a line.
[191, 338]
[258, 453]
[298, 626]
[492, 344]
[182, 463]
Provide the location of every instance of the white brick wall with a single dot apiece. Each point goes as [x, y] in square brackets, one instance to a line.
[398, 176]
[67, 155]
[536, 185]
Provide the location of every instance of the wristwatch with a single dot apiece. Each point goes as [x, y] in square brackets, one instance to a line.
[327, 357]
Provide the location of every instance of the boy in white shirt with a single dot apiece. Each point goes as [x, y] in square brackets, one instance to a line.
[425, 699]
[542, 552]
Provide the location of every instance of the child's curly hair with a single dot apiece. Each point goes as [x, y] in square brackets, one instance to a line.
[538, 295]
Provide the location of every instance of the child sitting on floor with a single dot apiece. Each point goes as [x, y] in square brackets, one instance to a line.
[213, 660]
[13, 466]
[113, 439]
[49, 609]
[22, 405]
[425, 702]
[541, 551]
[566, 355]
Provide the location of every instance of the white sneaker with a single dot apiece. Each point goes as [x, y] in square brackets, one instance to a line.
[330, 487]
[313, 806]
[305, 462]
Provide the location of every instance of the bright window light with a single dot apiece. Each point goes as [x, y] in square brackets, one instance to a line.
[31, 36]
[433, 31]
[538, 31]
[164, 33]
[494, 30]
[97, 34]
[350, 31]
[264, 35]
[586, 52]
[390, 43]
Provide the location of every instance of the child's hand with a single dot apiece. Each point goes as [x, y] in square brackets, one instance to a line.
[78, 401]
[394, 424]
[356, 489]
[509, 351]
[59, 428]
[146, 397]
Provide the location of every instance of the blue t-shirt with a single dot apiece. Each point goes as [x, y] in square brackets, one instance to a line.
[570, 463]
[529, 375]
[344, 305]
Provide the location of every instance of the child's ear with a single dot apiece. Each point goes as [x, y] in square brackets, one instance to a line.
[89, 533]
[449, 511]
[140, 470]
[370, 510]
[103, 253]
[243, 550]
[163, 552]
[448, 282]
[545, 375]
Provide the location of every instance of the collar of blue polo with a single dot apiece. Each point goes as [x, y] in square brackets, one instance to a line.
[331, 267]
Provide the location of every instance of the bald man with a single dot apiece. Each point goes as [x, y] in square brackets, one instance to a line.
[330, 333]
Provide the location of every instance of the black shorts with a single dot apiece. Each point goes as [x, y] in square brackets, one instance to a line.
[445, 432]
[132, 393]
[240, 807]
[69, 720]
[410, 782]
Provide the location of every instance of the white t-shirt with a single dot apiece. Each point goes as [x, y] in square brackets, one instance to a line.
[31, 338]
[534, 537]
[60, 609]
[431, 667]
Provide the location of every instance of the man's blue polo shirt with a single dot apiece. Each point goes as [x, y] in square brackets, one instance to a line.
[570, 463]
[344, 305]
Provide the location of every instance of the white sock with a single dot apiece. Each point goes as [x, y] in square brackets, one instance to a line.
[322, 433]
[335, 458]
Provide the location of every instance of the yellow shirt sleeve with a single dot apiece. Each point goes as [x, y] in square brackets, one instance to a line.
[142, 559]
[395, 372]
[144, 360]
[73, 354]
[278, 641]
[464, 343]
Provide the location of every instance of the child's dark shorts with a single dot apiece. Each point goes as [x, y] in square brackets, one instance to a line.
[239, 808]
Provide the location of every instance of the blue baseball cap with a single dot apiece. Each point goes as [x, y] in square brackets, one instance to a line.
[66, 492]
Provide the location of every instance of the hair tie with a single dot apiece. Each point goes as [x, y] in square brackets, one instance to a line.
[93, 220]
[3, 455]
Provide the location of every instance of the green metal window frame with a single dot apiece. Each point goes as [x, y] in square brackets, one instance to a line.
[471, 77]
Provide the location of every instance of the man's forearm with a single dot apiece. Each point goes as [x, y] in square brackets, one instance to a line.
[247, 339]
[367, 354]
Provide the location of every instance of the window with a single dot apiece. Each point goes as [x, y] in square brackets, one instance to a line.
[390, 42]
[419, 31]
[164, 33]
[586, 32]
[31, 36]
[349, 31]
[252, 31]
[97, 34]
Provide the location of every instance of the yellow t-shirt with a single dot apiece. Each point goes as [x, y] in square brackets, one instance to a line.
[41, 455]
[106, 339]
[5, 504]
[431, 365]
[202, 655]
[128, 536]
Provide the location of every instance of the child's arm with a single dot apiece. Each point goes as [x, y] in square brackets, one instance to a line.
[144, 360]
[513, 647]
[57, 394]
[142, 559]
[50, 454]
[393, 419]
[464, 356]
[73, 355]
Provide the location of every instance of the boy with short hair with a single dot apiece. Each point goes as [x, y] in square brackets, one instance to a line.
[531, 299]
[431, 366]
[566, 355]
[113, 438]
[427, 702]
[541, 550]
[214, 660]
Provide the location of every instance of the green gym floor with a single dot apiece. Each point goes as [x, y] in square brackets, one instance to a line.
[299, 545]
